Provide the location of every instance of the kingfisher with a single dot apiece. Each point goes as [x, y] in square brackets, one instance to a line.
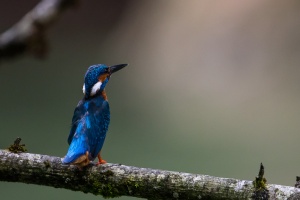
[91, 117]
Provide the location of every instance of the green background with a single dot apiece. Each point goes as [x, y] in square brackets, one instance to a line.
[212, 87]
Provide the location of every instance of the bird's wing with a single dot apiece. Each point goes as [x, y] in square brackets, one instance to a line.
[79, 145]
[99, 116]
[78, 114]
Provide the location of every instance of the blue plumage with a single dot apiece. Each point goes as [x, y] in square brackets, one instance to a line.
[91, 117]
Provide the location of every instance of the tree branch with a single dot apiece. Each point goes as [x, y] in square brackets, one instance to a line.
[29, 33]
[113, 180]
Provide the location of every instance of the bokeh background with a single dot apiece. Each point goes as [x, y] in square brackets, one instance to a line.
[212, 87]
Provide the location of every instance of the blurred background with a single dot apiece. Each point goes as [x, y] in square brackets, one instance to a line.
[212, 87]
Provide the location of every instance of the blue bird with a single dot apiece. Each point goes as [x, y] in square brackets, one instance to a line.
[91, 117]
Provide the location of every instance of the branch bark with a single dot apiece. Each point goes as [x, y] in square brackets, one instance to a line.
[113, 180]
[28, 35]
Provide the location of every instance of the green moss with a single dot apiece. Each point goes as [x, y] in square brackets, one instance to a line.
[108, 173]
[109, 191]
[47, 164]
[17, 147]
[102, 187]
[260, 183]
[260, 186]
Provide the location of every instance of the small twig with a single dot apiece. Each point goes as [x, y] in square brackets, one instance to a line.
[112, 180]
[28, 35]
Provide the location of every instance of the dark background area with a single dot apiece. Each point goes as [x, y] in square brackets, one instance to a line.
[212, 87]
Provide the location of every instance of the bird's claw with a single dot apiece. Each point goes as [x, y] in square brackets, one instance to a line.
[101, 162]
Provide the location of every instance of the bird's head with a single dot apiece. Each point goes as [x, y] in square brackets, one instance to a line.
[96, 78]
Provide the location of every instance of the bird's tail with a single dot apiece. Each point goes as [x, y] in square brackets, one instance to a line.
[77, 149]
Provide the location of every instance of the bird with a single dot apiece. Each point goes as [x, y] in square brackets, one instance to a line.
[91, 117]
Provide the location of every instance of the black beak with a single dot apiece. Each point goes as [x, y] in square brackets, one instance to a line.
[116, 68]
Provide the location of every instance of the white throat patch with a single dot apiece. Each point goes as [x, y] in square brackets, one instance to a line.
[95, 88]
[83, 89]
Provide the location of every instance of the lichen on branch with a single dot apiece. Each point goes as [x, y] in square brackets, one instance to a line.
[113, 180]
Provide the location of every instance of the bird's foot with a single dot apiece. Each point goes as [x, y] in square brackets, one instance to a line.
[82, 161]
[100, 160]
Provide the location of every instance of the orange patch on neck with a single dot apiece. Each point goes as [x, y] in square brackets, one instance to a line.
[102, 77]
[103, 94]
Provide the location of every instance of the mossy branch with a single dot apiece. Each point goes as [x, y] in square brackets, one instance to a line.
[28, 35]
[113, 180]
